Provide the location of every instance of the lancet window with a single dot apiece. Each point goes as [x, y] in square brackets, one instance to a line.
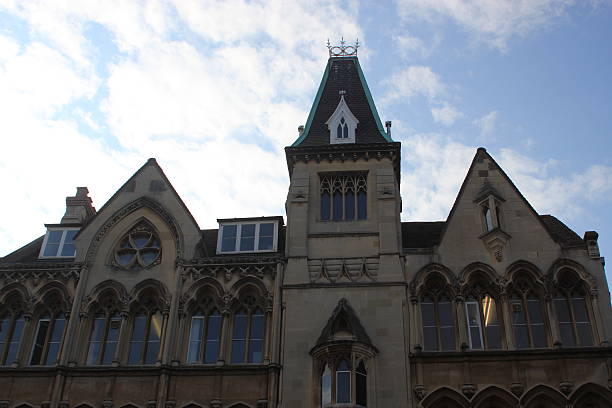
[437, 316]
[12, 323]
[344, 381]
[342, 131]
[139, 248]
[49, 332]
[344, 197]
[483, 314]
[146, 330]
[572, 310]
[104, 336]
[205, 331]
[248, 331]
[527, 315]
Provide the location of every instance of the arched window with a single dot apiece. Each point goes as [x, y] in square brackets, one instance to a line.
[361, 382]
[248, 333]
[104, 334]
[343, 383]
[483, 314]
[527, 315]
[146, 329]
[488, 218]
[326, 386]
[205, 331]
[343, 196]
[572, 311]
[48, 339]
[437, 316]
[12, 323]
[342, 132]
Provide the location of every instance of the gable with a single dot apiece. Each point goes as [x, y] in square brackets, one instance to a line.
[517, 232]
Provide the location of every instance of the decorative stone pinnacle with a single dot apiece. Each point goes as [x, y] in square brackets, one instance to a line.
[342, 50]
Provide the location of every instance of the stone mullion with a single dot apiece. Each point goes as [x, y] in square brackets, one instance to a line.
[267, 335]
[462, 323]
[27, 333]
[171, 347]
[161, 352]
[225, 339]
[507, 322]
[552, 320]
[122, 340]
[414, 334]
[597, 337]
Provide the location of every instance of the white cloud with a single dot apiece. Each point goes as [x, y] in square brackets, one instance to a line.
[446, 114]
[486, 123]
[491, 21]
[408, 45]
[412, 81]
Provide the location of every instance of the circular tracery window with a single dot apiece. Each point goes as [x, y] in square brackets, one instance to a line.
[139, 248]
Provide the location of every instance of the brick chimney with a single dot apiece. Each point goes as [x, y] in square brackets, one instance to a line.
[79, 208]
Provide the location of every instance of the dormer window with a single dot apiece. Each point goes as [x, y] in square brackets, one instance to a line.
[247, 236]
[342, 124]
[59, 243]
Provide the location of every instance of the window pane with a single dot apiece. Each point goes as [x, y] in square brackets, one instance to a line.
[93, 353]
[53, 241]
[521, 336]
[362, 205]
[68, 249]
[111, 340]
[567, 334]
[580, 312]
[473, 317]
[339, 131]
[427, 314]
[585, 334]
[539, 336]
[247, 237]
[326, 386]
[535, 311]
[488, 219]
[153, 339]
[152, 352]
[447, 338]
[266, 237]
[337, 216]
[97, 334]
[561, 307]
[325, 206]
[55, 341]
[39, 342]
[15, 341]
[238, 351]
[4, 328]
[361, 386]
[228, 242]
[445, 312]
[518, 314]
[195, 336]
[343, 387]
[239, 338]
[137, 342]
[255, 351]
[345, 131]
[349, 206]
[430, 338]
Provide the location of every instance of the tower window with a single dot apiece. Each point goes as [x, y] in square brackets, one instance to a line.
[344, 197]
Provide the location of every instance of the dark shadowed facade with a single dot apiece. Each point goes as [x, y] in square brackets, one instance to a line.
[134, 305]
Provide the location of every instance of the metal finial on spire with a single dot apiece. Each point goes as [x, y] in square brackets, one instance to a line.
[342, 50]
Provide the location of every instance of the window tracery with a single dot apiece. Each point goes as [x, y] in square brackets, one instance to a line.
[248, 330]
[572, 312]
[104, 334]
[49, 331]
[12, 323]
[205, 330]
[146, 330]
[528, 321]
[483, 314]
[139, 248]
[437, 316]
[343, 197]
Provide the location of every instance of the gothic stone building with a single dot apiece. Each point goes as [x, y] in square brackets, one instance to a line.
[134, 305]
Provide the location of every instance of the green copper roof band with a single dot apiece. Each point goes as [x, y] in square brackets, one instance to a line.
[314, 107]
[371, 103]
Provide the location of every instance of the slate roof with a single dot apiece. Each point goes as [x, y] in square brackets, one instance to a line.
[421, 235]
[27, 253]
[343, 74]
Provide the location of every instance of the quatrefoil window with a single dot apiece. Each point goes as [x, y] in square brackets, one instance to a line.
[139, 248]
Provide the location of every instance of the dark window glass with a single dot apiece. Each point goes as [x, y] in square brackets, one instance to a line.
[343, 383]
[15, 340]
[53, 242]
[96, 338]
[256, 337]
[325, 206]
[536, 322]
[195, 338]
[491, 323]
[266, 237]
[239, 337]
[213, 336]
[40, 340]
[247, 237]
[430, 331]
[488, 219]
[228, 241]
[349, 206]
[362, 205]
[111, 340]
[337, 206]
[361, 385]
[345, 131]
[339, 131]
[447, 326]
[68, 249]
[521, 333]
[154, 334]
[583, 324]
[473, 318]
[138, 338]
[565, 322]
[56, 340]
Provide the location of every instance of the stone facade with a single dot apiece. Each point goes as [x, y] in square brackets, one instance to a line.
[346, 306]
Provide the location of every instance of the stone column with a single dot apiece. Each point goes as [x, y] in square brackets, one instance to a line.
[507, 321]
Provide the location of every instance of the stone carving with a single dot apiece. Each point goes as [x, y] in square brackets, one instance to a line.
[517, 389]
[334, 269]
[566, 387]
[228, 270]
[216, 404]
[420, 392]
[41, 275]
[468, 390]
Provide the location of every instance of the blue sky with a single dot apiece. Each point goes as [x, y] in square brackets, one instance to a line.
[215, 90]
